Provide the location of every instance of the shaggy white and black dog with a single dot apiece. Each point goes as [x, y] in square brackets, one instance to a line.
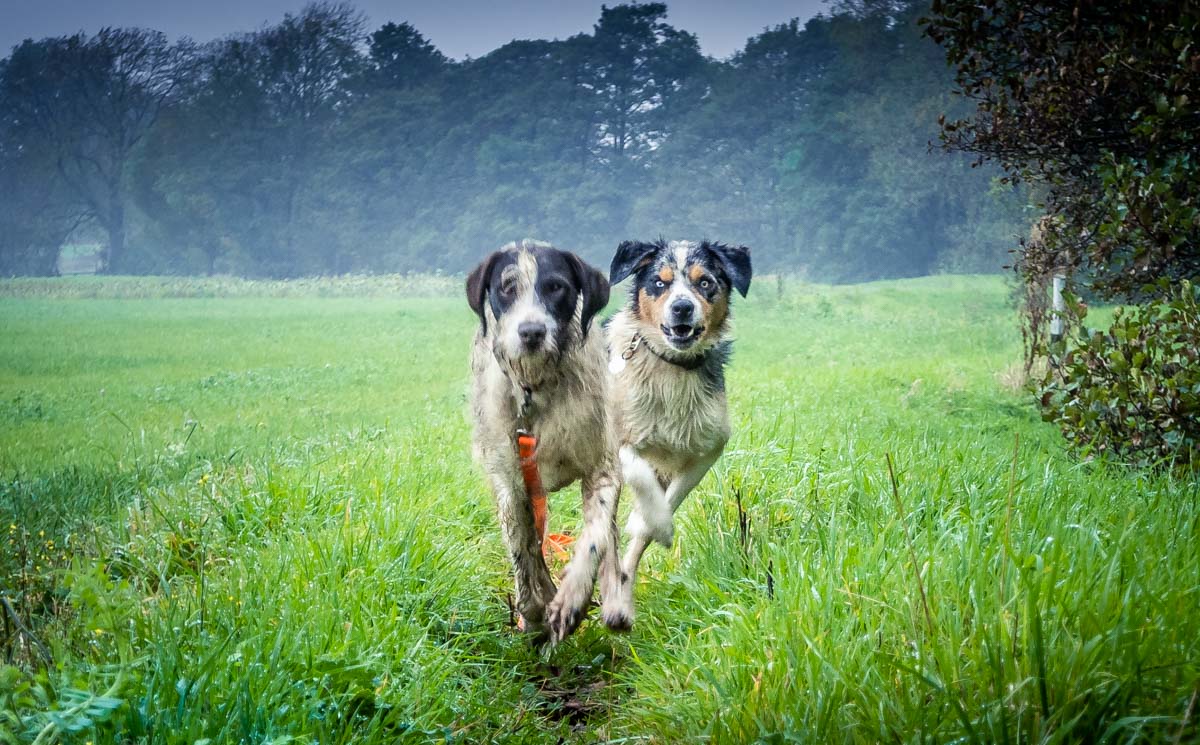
[536, 367]
[668, 348]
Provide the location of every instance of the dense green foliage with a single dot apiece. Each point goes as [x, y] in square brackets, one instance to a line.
[1095, 102]
[310, 147]
[256, 518]
[1133, 391]
[1098, 102]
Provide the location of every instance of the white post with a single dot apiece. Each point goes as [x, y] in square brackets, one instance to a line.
[1056, 318]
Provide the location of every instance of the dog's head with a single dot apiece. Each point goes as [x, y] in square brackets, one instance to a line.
[536, 302]
[681, 290]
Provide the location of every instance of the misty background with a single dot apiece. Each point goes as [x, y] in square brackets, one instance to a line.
[323, 144]
[459, 28]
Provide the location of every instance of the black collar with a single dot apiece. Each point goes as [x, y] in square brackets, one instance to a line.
[691, 363]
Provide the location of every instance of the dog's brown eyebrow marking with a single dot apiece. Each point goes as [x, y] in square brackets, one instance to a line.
[666, 274]
[696, 273]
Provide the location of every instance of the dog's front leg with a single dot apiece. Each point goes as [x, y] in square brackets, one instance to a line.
[534, 586]
[653, 514]
[596, 548]
[649, 520]
[691, 476]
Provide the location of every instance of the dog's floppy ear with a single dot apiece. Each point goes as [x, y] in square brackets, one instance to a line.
[477, 284]
[592, 285]
[630, 255]
[735, 261]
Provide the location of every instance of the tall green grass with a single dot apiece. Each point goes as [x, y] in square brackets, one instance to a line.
[249, 519]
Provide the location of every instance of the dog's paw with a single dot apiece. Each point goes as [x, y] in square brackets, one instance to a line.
[617, 619]
[531, 614]
[616, 605]
[568, 608]
[659, 528]
[536, 633]
[562, 620]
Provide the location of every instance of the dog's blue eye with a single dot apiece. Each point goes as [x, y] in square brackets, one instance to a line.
[659, 284]
[705, 284]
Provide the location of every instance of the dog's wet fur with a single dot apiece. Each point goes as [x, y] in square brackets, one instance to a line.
[669, 346]
[536, 305]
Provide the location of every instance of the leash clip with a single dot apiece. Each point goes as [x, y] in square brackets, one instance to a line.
[633, 347]
[617, 364]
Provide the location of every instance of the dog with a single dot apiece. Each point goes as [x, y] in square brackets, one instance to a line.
[537, 365]
[669, 346]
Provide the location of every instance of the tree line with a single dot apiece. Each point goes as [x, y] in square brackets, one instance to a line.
[314, 147]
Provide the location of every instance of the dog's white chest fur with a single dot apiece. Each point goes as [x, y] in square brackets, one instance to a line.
[667, 413]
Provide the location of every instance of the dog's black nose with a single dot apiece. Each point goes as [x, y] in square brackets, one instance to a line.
[532, 334]
[681, 309]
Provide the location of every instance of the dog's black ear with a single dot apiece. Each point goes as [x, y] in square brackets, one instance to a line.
[592, 285]
[630, 255]
[477, 284]
[735, 261]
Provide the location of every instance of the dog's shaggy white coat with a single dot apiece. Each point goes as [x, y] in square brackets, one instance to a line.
[569, 415]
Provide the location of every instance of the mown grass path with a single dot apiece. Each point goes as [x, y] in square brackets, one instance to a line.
[249, 519]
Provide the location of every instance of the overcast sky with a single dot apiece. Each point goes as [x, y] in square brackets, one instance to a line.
[458, 27]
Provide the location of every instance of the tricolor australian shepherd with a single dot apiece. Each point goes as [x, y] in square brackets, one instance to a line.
[668, 347]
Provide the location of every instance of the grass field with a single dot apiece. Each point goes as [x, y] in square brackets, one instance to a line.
[255, 519]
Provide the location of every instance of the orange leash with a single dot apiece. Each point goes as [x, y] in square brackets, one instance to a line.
[527, 449]
[551, 542]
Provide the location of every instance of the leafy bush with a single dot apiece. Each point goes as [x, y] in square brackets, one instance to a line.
[1133, 391]
[1123, 198]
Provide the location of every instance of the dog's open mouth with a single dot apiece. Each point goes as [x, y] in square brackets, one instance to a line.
[683, 335]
